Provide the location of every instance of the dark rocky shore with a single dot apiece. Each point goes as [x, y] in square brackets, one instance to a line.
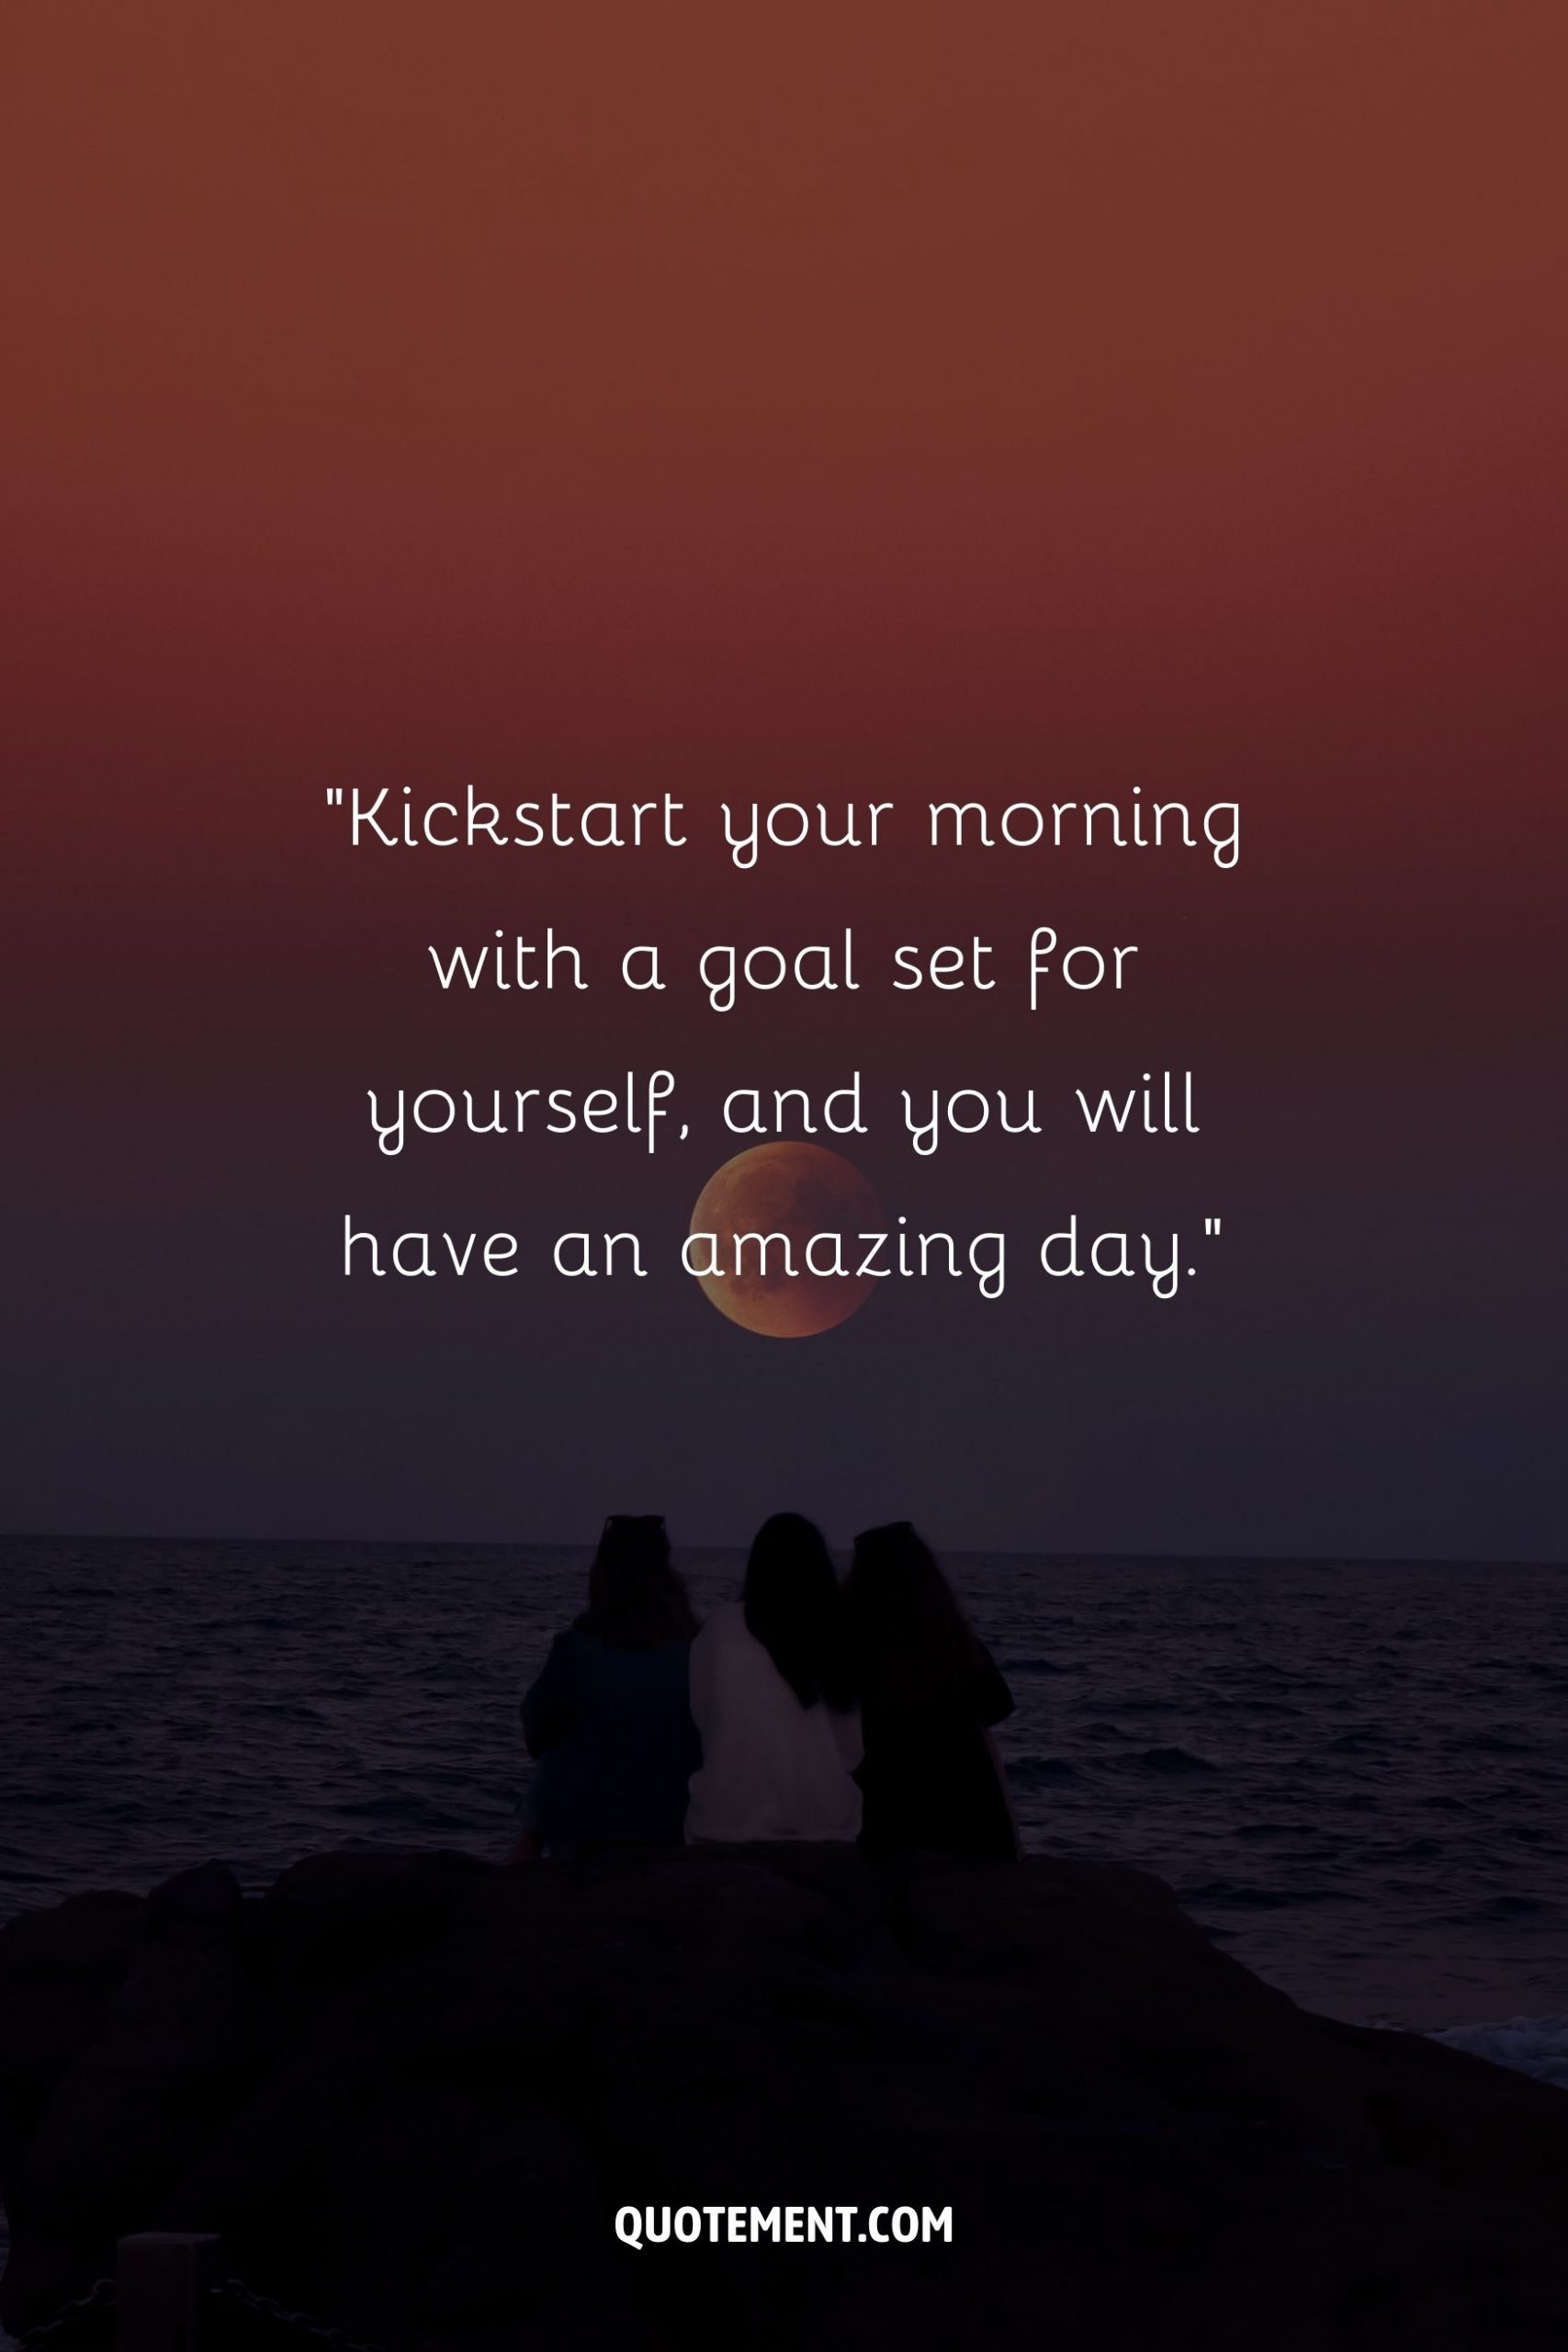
[410, 2091]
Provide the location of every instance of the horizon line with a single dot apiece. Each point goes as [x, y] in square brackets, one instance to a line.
[741, 1543]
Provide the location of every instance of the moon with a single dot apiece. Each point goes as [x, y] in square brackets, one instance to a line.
[795, 1189]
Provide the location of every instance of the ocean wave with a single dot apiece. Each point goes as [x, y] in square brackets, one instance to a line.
[1500, 1909]
[1537, 2046]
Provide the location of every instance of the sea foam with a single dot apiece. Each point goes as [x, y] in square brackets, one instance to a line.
[1537, 2046]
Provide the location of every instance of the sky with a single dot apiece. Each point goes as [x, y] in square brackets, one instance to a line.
[841, 403]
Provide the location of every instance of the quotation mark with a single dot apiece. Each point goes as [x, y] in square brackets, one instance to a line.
[334, 795]
[1211, 1228]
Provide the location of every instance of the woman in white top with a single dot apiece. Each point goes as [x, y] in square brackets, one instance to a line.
[771, 1695]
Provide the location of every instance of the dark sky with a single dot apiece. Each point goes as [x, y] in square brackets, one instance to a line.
[868, 404]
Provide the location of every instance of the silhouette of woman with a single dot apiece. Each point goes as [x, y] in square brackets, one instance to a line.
[930, 1693]
[773, 1698]
[610, 1718]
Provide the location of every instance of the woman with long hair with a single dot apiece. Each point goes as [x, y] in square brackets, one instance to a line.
[610, 1718]
[775, 1703]
[930, 1694]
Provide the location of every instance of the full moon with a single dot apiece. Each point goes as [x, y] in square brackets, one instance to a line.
[796, 1190]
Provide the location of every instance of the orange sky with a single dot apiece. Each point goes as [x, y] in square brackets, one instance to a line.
[389, 284]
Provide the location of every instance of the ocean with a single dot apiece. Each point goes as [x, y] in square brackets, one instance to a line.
[1355, 1775]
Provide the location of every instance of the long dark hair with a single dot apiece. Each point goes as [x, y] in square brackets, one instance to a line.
[910, 1639]
[636, 1600]
[793, 1607]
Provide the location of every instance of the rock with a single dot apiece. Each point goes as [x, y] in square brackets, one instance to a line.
[338, 1917]
[201, 1910]
[411, 2090]
[159, 2061]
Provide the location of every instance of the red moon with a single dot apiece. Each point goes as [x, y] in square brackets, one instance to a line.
[796, 1190]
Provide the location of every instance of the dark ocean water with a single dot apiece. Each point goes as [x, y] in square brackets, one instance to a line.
[1356, 1777]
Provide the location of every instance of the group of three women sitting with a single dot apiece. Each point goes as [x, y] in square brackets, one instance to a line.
[807, 1709]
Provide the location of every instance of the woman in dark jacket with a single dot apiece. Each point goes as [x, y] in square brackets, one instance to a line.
[930, 1693]
[610, 1717]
